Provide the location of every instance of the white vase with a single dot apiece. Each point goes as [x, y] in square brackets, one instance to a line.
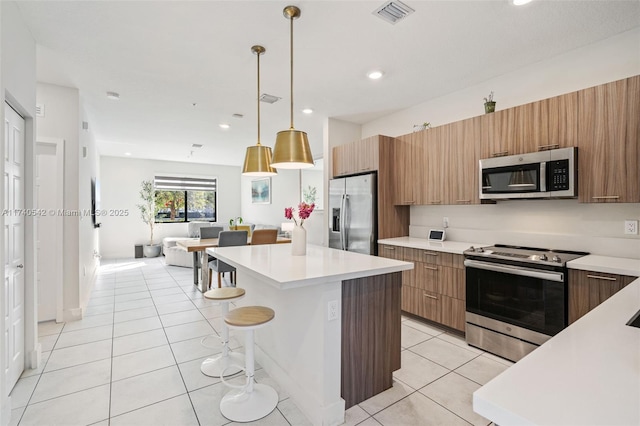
[298, 241]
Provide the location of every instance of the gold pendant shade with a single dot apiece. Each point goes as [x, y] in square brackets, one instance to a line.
[257, 160]
[292, 150]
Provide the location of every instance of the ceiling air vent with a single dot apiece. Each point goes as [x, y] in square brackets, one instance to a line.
[196, 145]
[270, 99]
[393, 11]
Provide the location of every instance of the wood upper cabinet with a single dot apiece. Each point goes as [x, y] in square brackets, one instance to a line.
[356, 157]
[608, 141]
[404, 178]
[588, 289]
[560, 114]
[498, 132]
[461, 177]
[435, 149]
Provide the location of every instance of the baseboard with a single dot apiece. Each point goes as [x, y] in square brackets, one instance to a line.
[73, 314]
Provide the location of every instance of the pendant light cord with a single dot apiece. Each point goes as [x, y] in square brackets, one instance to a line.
[291, 52]
[258, 97]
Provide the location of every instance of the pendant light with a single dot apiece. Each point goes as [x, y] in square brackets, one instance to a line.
[257, 160]
[291, 150]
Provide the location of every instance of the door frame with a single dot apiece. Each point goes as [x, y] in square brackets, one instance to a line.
[59, 243]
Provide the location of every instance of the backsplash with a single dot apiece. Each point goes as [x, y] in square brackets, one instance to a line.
[560, 224]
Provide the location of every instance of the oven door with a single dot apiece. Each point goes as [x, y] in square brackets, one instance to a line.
[529, 298]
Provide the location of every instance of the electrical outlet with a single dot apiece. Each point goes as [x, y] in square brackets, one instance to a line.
[445, 222]
[332, 313]
[631, 227]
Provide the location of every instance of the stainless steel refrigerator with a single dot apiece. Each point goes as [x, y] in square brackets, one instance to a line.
[353, 206]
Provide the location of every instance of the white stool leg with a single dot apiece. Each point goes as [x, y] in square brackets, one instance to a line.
[255, 400]
[231, 363]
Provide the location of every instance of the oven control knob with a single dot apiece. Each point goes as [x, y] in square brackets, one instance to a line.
[556, 259]
[472, 248]
[543, 257]
[480, 250]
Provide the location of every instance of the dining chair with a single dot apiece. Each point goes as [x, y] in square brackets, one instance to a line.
[244, 228]
[207, 232]
[264, 236]
[227, 239]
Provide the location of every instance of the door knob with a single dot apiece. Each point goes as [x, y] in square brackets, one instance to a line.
[21, 266]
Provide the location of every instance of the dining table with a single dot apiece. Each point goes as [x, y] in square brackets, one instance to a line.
[198, 247]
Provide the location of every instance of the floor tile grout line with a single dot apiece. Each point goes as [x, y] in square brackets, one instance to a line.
[436, 402]
[113, 331]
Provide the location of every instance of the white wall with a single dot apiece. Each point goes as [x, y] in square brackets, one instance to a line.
[18, 85]
[62, 121]
[88, 242]
[119, 184]
[566, 224]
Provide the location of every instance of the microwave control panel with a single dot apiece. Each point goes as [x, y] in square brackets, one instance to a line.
[558, 175]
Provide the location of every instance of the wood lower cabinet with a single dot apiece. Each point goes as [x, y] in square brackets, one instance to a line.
[588, 289]
[435, 288]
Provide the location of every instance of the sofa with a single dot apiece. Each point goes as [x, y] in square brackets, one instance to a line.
[178, 256]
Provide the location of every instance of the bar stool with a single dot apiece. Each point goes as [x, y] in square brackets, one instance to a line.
[251, 401]
[227, 362]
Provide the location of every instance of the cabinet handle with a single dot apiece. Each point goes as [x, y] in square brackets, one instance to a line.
[500, 154]
[596, 277]
[548, 147]
[606, 197]
[430, 253]
[409, 202]
[430, 296]
[389, 248]
[435, 202]
[431, 268]
[463, 201]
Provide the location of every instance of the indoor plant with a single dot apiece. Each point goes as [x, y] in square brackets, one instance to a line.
[489, 104]
[148, 215]
[419, 127]
[234, 222]
[299, 234]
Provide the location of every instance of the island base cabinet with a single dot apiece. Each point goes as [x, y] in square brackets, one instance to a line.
[370, 335]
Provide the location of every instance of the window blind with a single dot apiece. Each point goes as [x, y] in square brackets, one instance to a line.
[172, 183]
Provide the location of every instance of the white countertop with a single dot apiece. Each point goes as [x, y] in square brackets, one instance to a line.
[612, 265]
[276, 265]
[588, 374]
[456, 247]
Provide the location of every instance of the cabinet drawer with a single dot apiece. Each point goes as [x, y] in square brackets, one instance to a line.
[452, 283]
[587, 289]
[391, 252]
[428, 276]
[452, 312]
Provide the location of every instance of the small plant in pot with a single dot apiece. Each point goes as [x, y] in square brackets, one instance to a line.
[148, 214]
[489, 104]
[234, 222]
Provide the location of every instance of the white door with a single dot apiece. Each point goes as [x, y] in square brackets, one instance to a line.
[47, 240]
[14, 246]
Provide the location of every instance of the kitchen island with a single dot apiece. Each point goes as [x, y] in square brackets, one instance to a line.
[588, 374]
[335, 340]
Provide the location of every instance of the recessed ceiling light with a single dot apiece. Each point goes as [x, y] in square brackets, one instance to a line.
[224, 126]
[307, 111]
[374, 75]
[113, 95]
[127, 153]
[520, 2]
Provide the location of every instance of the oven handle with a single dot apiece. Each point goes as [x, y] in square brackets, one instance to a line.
[516, 270]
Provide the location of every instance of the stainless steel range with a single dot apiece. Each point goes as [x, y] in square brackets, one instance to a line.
[516, 297]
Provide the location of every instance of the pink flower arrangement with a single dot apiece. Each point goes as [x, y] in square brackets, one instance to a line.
[304, 211]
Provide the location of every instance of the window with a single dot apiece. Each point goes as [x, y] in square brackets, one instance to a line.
[185, 199]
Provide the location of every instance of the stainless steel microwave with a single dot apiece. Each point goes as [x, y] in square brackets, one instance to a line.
[544, 174]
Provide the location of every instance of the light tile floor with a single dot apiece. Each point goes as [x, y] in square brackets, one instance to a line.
[134, 359]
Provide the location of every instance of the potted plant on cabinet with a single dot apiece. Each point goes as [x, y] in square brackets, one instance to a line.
[489, 104]
[234, 222]
[148, 214]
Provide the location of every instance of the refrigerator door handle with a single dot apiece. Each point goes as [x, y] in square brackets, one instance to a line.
[343, 228]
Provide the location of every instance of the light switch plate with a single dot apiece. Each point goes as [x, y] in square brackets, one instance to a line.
[631, 227]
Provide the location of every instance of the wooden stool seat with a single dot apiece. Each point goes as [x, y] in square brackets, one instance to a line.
[225, 293]
[249, 316]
